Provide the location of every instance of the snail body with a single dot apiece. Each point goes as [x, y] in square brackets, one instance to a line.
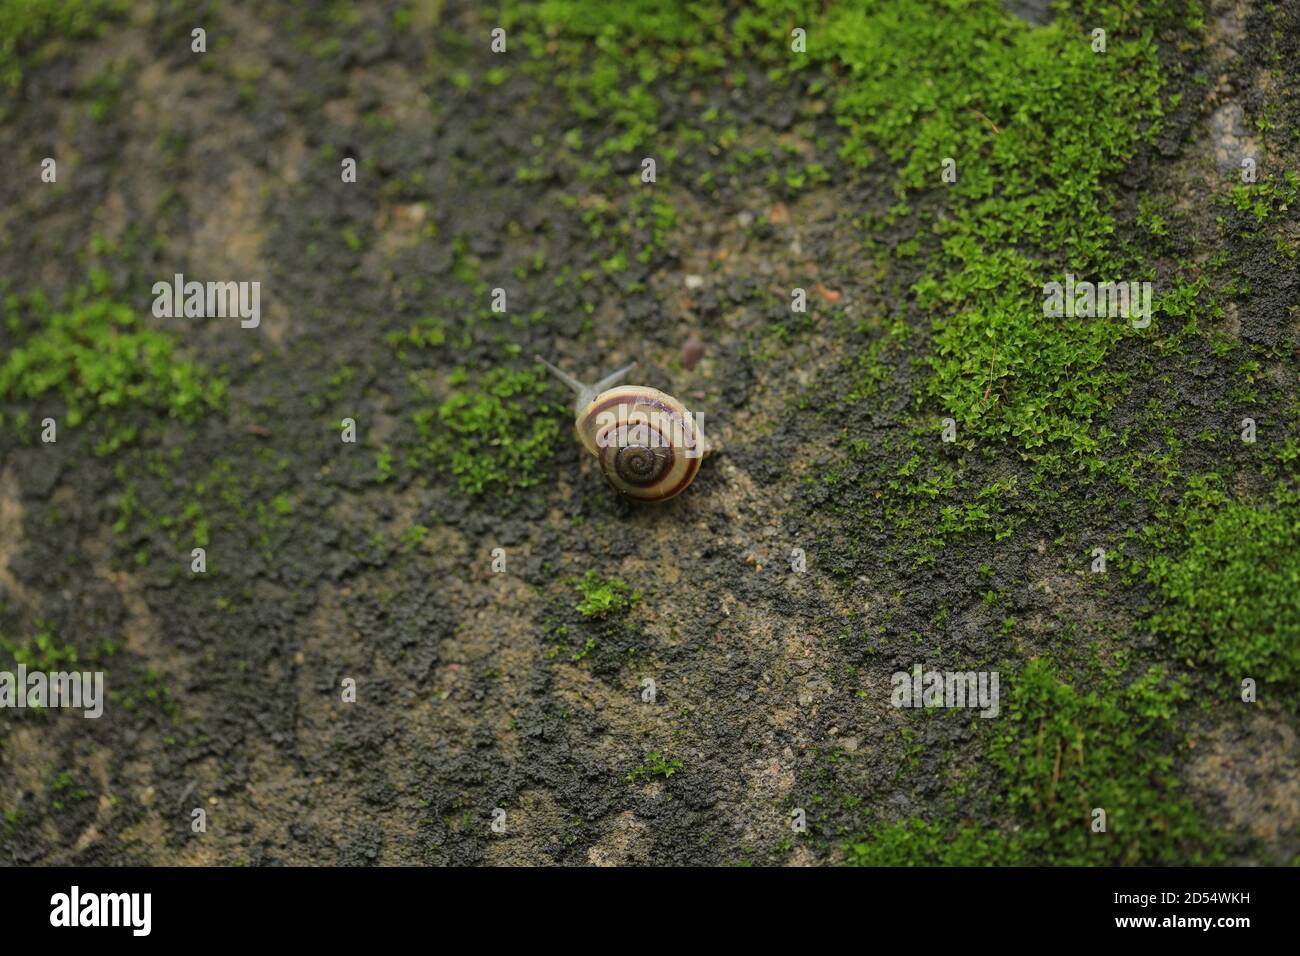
[646, 441]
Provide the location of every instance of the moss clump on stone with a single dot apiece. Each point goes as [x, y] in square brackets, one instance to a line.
[1228, 577]
[654, 765]
[98, 360]
[26, 26]
[602, 596]
[1060, 755]
[494, 436]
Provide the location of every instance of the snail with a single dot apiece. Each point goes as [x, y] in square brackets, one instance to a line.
[646, 441]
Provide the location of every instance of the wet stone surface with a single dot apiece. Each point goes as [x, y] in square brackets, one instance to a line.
[450, 641]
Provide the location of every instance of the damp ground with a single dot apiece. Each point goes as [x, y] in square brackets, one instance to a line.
[449, 641]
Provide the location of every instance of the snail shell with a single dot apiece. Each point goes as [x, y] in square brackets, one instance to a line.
[647, 442]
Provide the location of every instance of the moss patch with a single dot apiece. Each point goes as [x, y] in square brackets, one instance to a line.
[495, 436]
[44, 651]
[655, 764]
[1059, 755]
[27, 26]
[97, 358]
[603, 596]
[40, 653]
[1228, 576]
[1036, 122]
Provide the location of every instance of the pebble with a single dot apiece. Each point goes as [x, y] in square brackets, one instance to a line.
[692, 352]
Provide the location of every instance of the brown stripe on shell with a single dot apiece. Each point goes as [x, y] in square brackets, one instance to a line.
[691, 471]
[628, 396]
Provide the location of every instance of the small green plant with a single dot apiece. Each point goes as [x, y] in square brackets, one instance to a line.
[602, 596]
[384, 464]
[414, 536]
[1267, 197]
[655, 765]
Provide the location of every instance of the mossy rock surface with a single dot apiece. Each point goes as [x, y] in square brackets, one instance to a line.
[921, 467]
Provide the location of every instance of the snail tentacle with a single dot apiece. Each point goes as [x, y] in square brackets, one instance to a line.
[612, 379]
[584, 391]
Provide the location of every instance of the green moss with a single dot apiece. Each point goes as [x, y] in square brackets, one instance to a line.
[186, 510]
[915, 842]
[147, 689]
[424, 333]
[1228, 577]
[27, 27]
[414, 536]
[105, 90]
[1058, 754]
[614, 54]
[496, 436]
[46, 652]
[655, 764]
[1037, 123]
[97, 358]
[1266, 198]
[603, 596]
[384, 464]
[43, 652]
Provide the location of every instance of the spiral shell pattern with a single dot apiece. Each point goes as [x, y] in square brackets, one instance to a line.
[646, 441]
